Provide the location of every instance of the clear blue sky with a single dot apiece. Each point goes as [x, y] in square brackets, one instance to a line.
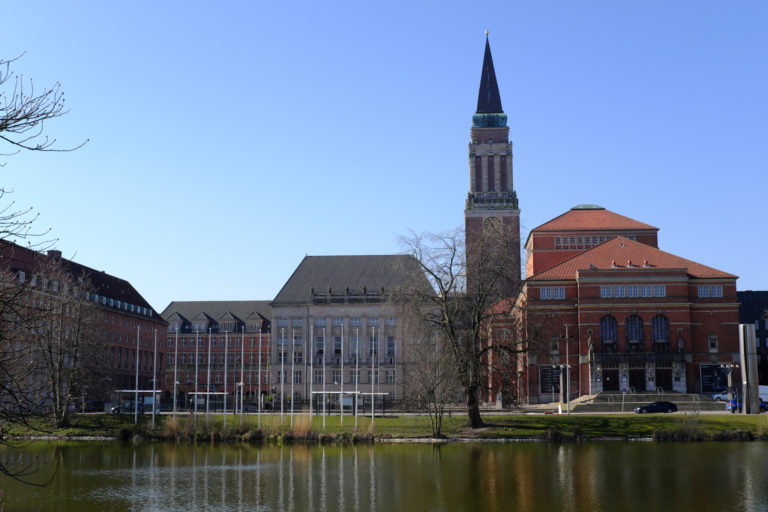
[229, 139]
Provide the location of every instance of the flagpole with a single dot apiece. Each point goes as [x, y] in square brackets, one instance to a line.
[282, 373]
[197, 360]
[293, 359]
[357, 369]
[175, 367]
[242, 369]
[311, 367]
[136, 391]
[154, 381]
[324, 399]
[208, 386]
[341, 393]
[226, 354]
[259, 377]
[373, 377]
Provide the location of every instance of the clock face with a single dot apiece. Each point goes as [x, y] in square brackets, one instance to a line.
[492, 225]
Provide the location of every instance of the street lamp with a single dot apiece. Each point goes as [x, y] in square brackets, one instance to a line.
[729, 367]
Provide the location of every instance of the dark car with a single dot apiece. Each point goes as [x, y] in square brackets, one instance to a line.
[735, 405]
[127, 408]
[656, 407]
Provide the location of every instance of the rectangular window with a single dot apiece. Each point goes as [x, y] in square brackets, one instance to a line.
[557, 241]
[298, 357]
[297, 341]
[390, 376]
[318, 377]
[354, 345]
[297, 376]
[633, 291]
[320, 322]
[280, 377]
[703, 291]
[390, 346]
[373, 322]
[716, 291]
[354, 377]
[392, 320]
[338, 320]
[282, 322]
[337, 345]
[606, 291]
[660, 290]
[336, 376]
[298, 322]
[319, 342]
[619, 291]
[646, 290]
[282, 357]
[354, 322]
[580, 242]
[573, 241]
[373, 377]
[546, 293]
[373, 346]
[558, 293]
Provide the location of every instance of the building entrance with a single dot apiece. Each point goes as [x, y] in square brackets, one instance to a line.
[637, 379]
[610, 380]
[664, 378]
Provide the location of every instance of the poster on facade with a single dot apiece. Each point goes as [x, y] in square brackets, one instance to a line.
[714, 378]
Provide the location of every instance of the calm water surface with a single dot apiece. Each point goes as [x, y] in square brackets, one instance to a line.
[612, 476]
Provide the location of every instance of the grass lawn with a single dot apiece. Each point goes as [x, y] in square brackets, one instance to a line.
[504, 426]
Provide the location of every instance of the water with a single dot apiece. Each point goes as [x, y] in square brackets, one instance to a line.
[410, 477]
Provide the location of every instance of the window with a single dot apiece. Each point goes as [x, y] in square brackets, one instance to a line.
[557, 241]
[282, 322]
[373, 377]
[554, 344]
[392, 320]
[297, 376]
[336, 376]
[338, 320]
[354, 346]
[282, 340]
[390, 376]
[337, 345]
[390, 346]
[373, 346]
[711, 291]
[633, 291]
[297, 341]
[318, 379]
[619, 291]
[660, 290]
[298, 357]
[608, 329]
[634, 328]
[354, 377]
[281, 377]
[373, 322]
[354, 322]
[298, 322]
[320, 322]
[646, 290]
[660, 328]
[712, 342]
[703, 291]
[319, 345]
[282, 357]
[556, 293]
[606, 291]
[170, 342]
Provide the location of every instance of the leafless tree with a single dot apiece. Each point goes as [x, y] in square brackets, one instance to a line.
[463, 316]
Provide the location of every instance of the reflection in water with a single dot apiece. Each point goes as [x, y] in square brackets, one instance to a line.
[464, 477]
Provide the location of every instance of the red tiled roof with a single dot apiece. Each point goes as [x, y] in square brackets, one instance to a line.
[618, 252]
[589, 218]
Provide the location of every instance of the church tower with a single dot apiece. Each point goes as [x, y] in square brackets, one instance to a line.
[491, 215]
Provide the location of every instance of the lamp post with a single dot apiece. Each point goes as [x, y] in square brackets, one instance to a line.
[729, 367]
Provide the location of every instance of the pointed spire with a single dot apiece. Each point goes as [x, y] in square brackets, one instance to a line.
[488, 99]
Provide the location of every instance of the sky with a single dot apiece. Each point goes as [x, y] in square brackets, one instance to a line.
[227, 140]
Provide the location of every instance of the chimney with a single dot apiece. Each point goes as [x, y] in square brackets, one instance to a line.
[53, 254]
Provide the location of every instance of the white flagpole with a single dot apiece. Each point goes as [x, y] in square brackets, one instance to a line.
[341, 393]
[226, 354]
[136, 391]
[311, 368]
[197, 359]
[259, 377]
[324, 352]
[154, 381]
[208, 386]
[357, 369]
[373, 376]
[293, 358]
[282, 373]
[175, 366]
[242, 369]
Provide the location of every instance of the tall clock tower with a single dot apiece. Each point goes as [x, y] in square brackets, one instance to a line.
[491, 215]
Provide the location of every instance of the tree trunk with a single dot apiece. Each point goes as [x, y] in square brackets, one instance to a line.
[474, 420]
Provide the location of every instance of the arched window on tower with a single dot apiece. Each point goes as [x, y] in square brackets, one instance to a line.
[712, 344]
[491, 174]
[608, 334]
[634, 333]
[503, 172]
[478, 174]
[660, 333]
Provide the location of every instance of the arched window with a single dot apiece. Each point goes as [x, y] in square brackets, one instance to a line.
[634, 328]
[660, 328]
[608, 329]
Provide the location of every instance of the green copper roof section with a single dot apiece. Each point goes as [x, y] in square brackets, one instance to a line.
[489, 113]
[587, 207]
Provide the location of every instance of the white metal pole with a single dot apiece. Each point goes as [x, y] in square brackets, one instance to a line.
[226, 355]
[208, 385]
[154, 380]
[259, 377]
[311, 368]
[242, 376]
[282, 373]
[341, 393]
[325, 350]
[293, 359]
[175, 368]
[373, 377]
[567, 372]
[136, 391]
[197, 337]
[357, 370]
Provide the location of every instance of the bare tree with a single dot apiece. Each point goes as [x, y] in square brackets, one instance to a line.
[429, 382]
[463, 316]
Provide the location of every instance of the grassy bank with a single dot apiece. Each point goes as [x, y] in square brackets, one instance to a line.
[681, 427]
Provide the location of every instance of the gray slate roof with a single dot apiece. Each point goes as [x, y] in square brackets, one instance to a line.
[363, 274]
[218, 309]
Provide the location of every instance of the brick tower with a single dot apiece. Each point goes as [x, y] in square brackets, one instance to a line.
[491, 217]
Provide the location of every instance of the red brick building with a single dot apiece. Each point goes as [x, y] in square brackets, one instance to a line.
[622, 314]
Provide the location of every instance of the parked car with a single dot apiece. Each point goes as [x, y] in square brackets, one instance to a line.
[656, 407]
[127, 408]
[720, 396]
[735, 405]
